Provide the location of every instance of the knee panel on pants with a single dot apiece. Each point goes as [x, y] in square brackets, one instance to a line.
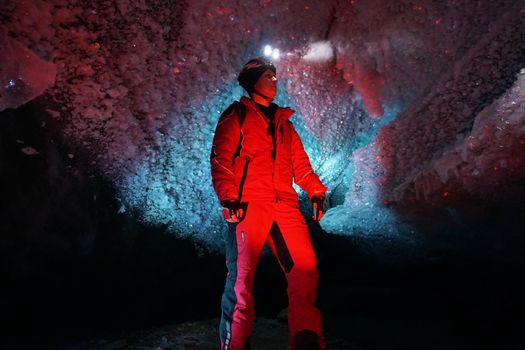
[283, 254]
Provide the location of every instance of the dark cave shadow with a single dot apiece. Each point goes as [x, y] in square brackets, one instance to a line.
[72, 265]
[457, 291]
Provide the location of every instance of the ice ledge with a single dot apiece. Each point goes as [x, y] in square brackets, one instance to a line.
[23, 75]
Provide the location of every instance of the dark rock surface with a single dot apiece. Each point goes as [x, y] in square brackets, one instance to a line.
[202, 335]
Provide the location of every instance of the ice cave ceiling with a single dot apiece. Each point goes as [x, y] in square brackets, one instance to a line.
[397, 101]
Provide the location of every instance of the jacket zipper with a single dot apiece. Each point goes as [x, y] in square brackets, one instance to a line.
[243, 178]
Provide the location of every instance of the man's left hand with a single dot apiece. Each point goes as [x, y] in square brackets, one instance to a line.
[318, 207]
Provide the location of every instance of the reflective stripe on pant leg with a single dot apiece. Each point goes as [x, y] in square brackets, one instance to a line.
[238, 310]
[229, 299]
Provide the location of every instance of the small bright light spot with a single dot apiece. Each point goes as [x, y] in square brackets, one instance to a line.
[267, 50]
[271, 52]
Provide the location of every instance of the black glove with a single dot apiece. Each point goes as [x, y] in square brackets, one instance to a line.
[318, 207]
[233, 210]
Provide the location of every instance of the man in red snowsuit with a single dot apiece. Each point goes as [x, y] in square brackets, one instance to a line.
[255, 158]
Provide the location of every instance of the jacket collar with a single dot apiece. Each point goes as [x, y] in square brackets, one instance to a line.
[281, 115]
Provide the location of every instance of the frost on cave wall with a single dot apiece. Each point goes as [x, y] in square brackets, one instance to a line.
[140, 85]
[461, 142]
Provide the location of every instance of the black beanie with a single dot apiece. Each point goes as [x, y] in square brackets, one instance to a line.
[252, 71]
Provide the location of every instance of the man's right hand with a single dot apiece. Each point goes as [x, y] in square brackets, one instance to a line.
[233, 210]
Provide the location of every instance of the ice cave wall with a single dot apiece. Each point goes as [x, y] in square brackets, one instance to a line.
[474, 147]
[140, 86]
[461, 131]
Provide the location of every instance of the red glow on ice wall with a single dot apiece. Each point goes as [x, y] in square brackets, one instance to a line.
[139, 86]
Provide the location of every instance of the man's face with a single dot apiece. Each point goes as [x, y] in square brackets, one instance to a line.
[267, 84]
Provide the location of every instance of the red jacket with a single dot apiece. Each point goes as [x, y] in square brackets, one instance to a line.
[245, 164]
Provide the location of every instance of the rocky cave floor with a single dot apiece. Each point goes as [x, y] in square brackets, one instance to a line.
[382, 317]
[376, 293]
[268, 334]
[448, 287]
[373, 295]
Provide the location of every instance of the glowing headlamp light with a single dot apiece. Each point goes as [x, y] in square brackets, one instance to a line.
[271, 52]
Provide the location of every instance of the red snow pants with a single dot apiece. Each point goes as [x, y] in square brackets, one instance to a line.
[284, 228]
